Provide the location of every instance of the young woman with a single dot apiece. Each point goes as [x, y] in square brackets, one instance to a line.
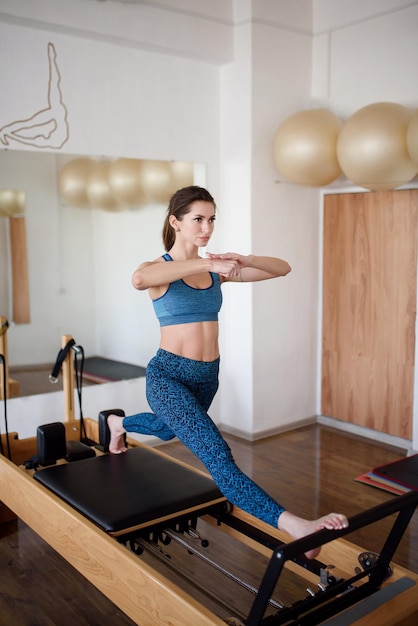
[182, 378]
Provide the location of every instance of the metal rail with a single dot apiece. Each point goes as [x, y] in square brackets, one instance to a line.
[342, 594]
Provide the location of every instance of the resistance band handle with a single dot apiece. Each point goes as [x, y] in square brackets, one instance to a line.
[53, 377]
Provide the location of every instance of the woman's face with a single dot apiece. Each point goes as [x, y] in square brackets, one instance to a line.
[196, 227]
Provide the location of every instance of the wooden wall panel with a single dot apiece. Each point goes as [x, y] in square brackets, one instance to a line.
[369, 309]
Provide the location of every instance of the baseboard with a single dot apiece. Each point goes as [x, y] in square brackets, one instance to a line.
[367, 433]
[268, 432]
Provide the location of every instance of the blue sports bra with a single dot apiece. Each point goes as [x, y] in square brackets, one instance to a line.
[182, 304]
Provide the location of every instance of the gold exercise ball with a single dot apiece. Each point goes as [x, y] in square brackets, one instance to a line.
[125, 183]
[412, 137]
[372, 149]
[155, 179]
[182, 174]
[305, 148]
[72, 181]
[99, 192]
[12, 202]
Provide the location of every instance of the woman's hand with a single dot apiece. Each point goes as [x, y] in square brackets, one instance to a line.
[226, 265]
[242, 260]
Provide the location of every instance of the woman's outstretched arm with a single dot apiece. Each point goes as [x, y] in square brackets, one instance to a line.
[159, 273]
[254, 268]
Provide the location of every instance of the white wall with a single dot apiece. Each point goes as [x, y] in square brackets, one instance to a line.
[234, 219]
[256, 90]
[284, 221]
[364, 52]
[211, 82]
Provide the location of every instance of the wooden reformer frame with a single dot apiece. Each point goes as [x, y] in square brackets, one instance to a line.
[151, 599]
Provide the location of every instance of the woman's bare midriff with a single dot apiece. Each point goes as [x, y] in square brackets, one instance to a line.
[198, 341]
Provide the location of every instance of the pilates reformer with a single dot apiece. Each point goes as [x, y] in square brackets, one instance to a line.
[112, 516]
[146, 500]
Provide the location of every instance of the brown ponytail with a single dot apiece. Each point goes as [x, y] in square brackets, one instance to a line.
[179, 205]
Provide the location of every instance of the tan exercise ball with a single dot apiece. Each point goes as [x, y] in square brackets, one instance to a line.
[182, 174]
[99, 192]
[72, 181]
[305, 148]
[156, 180]
[125, 183]
[12, 202]
[412, 137]
[372, 149]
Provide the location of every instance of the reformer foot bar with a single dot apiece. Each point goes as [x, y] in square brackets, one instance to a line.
[145, 500]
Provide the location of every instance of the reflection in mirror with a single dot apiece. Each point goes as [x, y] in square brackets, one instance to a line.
[12, 206]
[89, 223]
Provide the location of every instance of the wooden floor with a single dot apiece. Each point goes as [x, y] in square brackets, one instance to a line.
[310, 471]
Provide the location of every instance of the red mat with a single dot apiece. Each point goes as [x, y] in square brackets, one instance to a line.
[396, 477]
[369, 478]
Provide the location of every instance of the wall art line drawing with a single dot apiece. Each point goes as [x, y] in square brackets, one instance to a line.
[47, 128]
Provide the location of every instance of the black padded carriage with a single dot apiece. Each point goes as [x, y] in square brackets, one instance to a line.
[123, 492]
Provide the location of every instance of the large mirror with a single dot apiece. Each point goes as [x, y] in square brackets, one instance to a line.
[80, 260]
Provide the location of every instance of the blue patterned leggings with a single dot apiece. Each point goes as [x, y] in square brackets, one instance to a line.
[180, 391]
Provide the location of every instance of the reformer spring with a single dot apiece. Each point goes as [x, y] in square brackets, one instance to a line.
[140, 544]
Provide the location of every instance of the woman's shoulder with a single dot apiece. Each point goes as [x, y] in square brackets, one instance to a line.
[159, 259]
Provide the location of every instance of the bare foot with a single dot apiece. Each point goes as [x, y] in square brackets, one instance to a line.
[116, 444]
[298, 527]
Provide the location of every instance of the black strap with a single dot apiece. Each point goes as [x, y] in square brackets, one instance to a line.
[53, 377]
[9, 454]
